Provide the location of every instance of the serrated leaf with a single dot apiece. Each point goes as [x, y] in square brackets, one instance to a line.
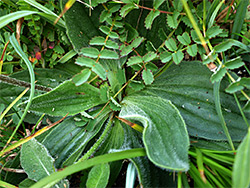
[151, 66]
[104, 15]
[234, 87]
[136, 42]
[147, 76]
[195, 37]
[66, 99]
[165, 57]
[136, 85]
[157, 3]
[90, 52]
[219, 74]
[108, 54]
[126, 50]
[186, 21]
[192, 50]
[58, 49]
[113, 35]
[150, 18]
[134, 60]
[178, 56]
[207, 59]
[178, 5]
[234, 63]
[81, 77]
[97, 41]
[99, 70]
[127, 8]
[184, 38]
[149, 57]
[241, 170]
[104, 93]
[84, 61]
[223, 46]
[172, 20]
[171, 45]
[104, 29]
[213, 31]
[36, 160]
[165, 146]
[111, 44]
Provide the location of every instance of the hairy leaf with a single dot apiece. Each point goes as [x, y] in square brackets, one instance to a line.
[165, 135]
[172, 20]
[66, 98]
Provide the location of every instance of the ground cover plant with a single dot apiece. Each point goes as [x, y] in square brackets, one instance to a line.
[161, 84]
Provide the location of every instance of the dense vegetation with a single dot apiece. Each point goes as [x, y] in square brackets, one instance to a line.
[163, 85]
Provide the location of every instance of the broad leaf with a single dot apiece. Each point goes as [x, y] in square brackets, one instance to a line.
[77, 31]
[188, 87]
[165, 135]
[36, 160]
[67, 98]
[241, 168]
[98, 176]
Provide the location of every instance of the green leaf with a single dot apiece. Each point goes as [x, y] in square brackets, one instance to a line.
[165, 146]
[136, 85]
[90, 52]
[36, 161]
[97, 41]
[188, 87]
[149, 57]
[157, 3]
[66, 99]
[136, 42]
[178, 56]
[113, 35]
[81, 77]
[192, 50]
[171, 45]
[150, 18]
[241, 170]
[78, 33]
[224, 46]
[234, 87]
[147, 76]
[172, 20]
[126, 50]
[134, 60]
[184, 38]
[219, 74]
[234, 63]
[105, 29]
[104, 15]
[178, 5]
[111, 44]
[99, 70]
[165, 57]
[127, 8]
[239, 18]
[98, 176]
[108, 54]
[85, 61]
[247, 107]
[213, 31]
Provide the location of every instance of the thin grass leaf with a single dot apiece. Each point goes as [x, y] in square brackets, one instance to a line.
[215, 12]
[219, 112]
